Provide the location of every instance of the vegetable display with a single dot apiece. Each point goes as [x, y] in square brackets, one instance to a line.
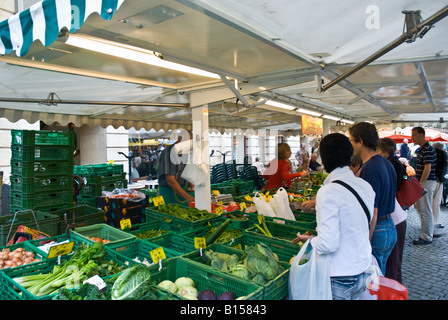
[15, 258]
[86, 262]
[225, 236]
[190, 214]
[149, 234]
[133, 284]
[258, 263]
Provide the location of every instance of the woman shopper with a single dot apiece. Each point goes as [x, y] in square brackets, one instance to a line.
[278, 173]
[386, 148]
[342, 225]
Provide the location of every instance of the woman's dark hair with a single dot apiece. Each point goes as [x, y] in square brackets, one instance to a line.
[387, 145]
[335, 151]
[366, 132]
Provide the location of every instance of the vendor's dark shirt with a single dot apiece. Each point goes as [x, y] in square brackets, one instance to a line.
[426, 155]
[168, 166]
[314, 165]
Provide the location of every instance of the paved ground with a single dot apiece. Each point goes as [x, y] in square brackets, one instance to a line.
[425, 268]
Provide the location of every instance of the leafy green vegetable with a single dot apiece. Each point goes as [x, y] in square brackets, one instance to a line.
[133, 284]
[262, 263]
[190, 214]
[86, 262]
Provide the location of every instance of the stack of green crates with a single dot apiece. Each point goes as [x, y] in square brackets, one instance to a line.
[98, 178]
[41, 170]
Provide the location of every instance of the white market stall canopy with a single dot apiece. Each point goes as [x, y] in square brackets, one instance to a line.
[286, 51]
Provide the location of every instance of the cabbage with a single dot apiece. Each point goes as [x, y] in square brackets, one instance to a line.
[228, 295]
[168, 285]
[188, 291]
[132, 284]
[190, 297]
[239, 271]
[183, 281]
[207, 295]
[261, 263]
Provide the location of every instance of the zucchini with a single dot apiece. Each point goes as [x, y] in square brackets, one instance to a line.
[219, 230]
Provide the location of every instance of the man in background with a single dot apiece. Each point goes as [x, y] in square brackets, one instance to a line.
[425, 172]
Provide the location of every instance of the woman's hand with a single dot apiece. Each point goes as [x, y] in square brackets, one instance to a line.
[309, 204]
[302, 238]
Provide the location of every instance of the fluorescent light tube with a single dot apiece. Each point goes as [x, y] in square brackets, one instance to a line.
[347, 121]
[132, 53]
[312, 113]
[326, 116]
[280, 105]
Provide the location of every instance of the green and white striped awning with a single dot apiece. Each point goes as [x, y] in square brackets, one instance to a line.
[44, 20]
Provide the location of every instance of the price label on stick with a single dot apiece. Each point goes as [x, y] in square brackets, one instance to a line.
[60, 249]
[125, 223]
[158, 201]
[157, 254]
[199, 243]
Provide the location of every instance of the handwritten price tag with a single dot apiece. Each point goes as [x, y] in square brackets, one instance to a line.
[157, 254]
[218, 210]
[125, 223]
[60, 249]
[158, 201]
[243, 206]
[199, 242]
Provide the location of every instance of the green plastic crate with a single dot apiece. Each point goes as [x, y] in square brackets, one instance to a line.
[281, 231]
[98, 169]
[43, 199]
[141, 228]
[275, 289]
[96, 190]
[174, 242]
[283, 249]
[39, 185]
[140, 249]
[190, 235]
[26, 245]
[46, 223]
[299, 222]
[37, 169]
[181, 224]
[225, 188]
[45, 266]
[42, 137]
[83, 216]
[41, 153]
[104, 231]
[239, 218]
[205, 278]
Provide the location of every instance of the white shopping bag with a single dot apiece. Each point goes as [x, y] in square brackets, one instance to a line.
[310, 280]
[280, 205]
[263, 207]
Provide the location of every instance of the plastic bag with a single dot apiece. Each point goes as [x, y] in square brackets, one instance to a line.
[24, 233]
[388, 289]
[195, 173]
[280, 205]
[128, 194]
[382, 288]
[310, 280]
[263, 207]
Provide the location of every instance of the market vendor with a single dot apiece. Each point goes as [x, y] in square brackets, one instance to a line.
[278, 173]
[172, 186]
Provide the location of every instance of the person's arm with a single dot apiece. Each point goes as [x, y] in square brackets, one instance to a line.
[373, 223]
[425, 173]
[173, 184]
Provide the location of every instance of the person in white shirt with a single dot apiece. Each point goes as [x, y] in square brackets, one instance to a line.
[342, 225]
[257, 164]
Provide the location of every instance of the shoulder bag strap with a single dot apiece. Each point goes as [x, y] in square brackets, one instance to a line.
[357, 197]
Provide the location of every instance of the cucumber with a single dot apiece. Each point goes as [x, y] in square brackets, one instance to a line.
[219, 230]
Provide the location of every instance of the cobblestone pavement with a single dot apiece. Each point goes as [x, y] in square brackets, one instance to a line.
[425, 268]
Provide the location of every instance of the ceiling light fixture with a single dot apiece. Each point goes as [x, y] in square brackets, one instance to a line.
[326, 116]
[311, 113]
[132, 53]
[347, 121]
[280, 105]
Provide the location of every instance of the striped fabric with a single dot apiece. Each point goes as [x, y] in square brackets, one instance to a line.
[45, 19]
